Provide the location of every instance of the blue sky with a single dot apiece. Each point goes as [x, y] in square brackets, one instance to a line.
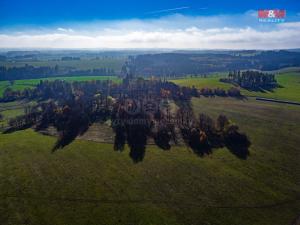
[37, 12]
[180, 24]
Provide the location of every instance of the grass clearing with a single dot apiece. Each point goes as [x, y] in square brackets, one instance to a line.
[290, 89]
[30, 83]
[290, 82]
[11, 110]
[89, 183]
[212, 81]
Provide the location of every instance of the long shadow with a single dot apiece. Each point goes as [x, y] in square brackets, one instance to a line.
[264, 89]
[75, 127]
[238, 145]
[163, 137]
[67, 137]
[120, 138]
[137, 144]
[201, 149]
[13, 129]
[137, 154]
[64, 140]
[241, 97]
[161, 143]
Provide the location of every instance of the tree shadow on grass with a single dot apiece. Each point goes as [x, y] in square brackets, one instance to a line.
[162, 145]
[75, 127]
[238, 144]
[137, 148]
[162, 138]
[137, 154]
[201, 150]
[13, 129]
[265, 89]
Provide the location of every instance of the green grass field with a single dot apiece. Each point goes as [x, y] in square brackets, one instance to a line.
[290, 90]
[11, 110]
[290, 82]
[89, 183]
[22, 84]
[209, 82]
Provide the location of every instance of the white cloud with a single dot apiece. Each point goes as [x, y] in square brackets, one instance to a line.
[175, 32]
[252, 13]
[295, 25]
[65, 29]
[168, 10]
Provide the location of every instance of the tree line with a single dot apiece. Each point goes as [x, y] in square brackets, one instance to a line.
[138, 109]
[252, 80]
[45, 89]
[33, 72]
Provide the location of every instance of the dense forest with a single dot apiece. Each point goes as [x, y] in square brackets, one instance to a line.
[146, 63]
[181, 64]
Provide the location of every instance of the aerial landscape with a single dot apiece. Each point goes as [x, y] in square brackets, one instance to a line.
[160, 113]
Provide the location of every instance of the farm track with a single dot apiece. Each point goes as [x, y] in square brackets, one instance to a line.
[277, 101]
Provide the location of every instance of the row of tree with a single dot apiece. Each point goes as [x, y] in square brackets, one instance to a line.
[253, 80]
[141, 87]
[138, 110]
[203, 134]
[231, 92]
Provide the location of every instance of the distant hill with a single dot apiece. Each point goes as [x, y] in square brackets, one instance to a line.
[185, 63]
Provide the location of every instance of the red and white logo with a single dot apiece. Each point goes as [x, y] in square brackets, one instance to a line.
[271, 15]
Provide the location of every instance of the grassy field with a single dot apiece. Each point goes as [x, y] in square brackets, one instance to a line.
[290, 82]
[11, 110]
[290, 90]
[22, 84]
[89, 183]
[199, 82]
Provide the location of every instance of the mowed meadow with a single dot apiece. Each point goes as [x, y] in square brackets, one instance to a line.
[90, 183]
[288, 80]
[31, 83]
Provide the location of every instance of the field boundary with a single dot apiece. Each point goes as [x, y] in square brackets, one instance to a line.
[277, 101]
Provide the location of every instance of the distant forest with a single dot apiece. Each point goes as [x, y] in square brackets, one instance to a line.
[181, 64]
[35, 64]
[32, 72]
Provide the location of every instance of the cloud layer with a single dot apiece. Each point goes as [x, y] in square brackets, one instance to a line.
[173, 32]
